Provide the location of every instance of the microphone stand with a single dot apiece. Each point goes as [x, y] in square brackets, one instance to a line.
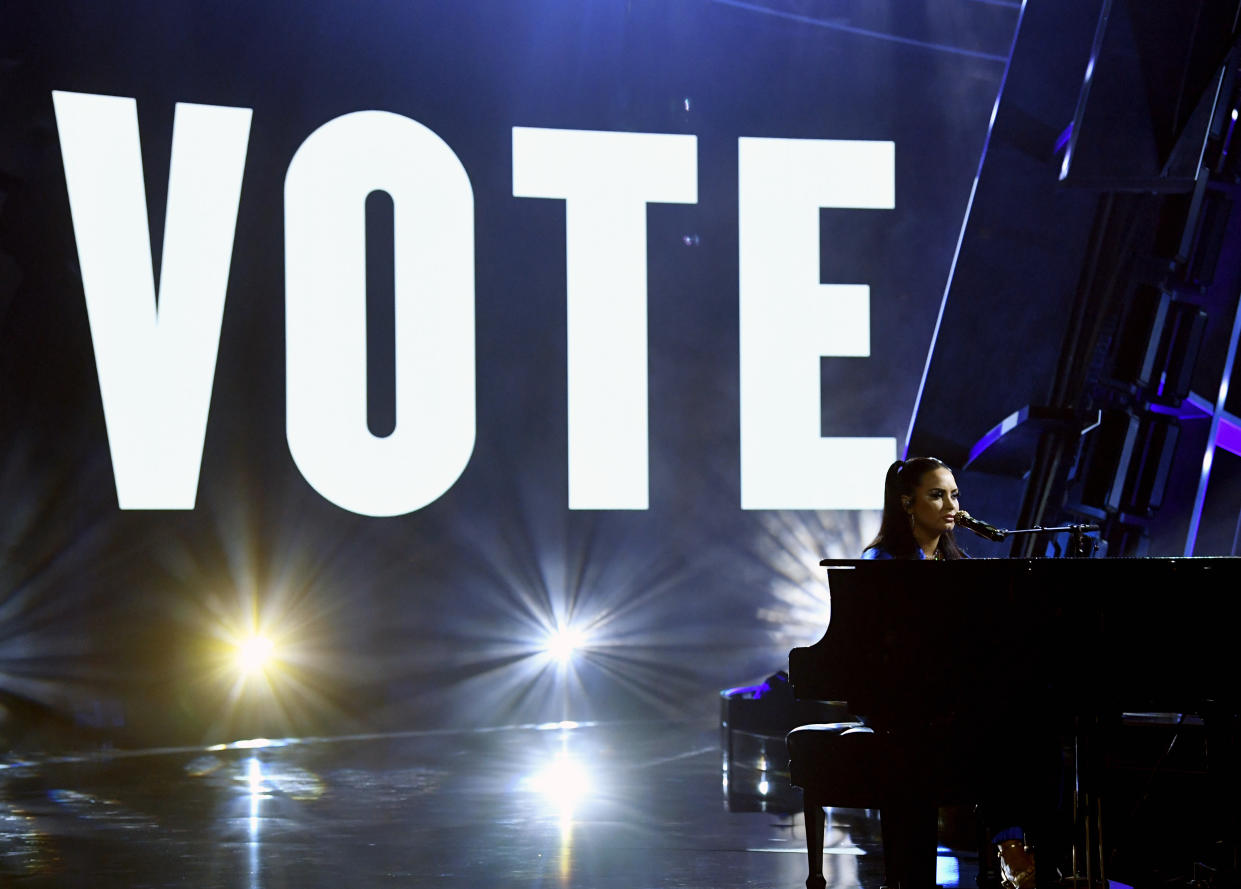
[1080, 546]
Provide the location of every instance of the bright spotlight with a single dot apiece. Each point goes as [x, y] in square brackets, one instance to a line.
[564, 782]
[564, 642]
[255, 654]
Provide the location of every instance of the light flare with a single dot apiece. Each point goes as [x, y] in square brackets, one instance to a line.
[564, 642]
[256, 654]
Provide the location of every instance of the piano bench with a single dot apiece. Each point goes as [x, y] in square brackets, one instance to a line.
[848, 765]
[837, 764]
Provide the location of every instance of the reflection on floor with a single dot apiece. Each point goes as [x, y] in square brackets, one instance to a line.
[604, 806]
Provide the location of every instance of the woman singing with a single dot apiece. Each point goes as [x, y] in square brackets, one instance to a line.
[919, 512]
[920, 504]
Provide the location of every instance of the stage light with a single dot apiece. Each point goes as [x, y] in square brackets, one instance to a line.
[564, 642]
[255, 654]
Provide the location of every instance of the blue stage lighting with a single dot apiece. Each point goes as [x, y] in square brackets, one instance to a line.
[564, 642]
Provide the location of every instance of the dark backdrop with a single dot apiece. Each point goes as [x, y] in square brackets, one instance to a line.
[113, 621]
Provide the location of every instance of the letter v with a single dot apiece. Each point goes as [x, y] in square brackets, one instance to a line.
[155, 357]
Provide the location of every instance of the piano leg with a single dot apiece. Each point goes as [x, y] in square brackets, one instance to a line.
[816, 821]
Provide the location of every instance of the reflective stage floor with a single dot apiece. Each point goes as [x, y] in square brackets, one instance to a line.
[598, 806]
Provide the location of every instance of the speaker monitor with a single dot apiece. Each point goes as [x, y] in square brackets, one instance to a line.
[1129, 462]
[1159, 344]
[1150, 464]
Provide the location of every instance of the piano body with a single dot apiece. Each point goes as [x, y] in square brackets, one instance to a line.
[998, 648]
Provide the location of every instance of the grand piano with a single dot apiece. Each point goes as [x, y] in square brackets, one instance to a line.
[953, 663]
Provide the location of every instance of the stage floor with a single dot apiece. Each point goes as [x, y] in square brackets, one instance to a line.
[596, 806]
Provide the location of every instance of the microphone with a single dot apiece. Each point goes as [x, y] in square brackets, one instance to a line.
[982, 529]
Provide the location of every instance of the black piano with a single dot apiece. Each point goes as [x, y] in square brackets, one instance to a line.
[954, 662]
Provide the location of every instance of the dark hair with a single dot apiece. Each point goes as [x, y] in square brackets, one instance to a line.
[896, 534]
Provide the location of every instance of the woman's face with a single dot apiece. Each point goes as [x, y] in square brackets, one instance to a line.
[933, 505]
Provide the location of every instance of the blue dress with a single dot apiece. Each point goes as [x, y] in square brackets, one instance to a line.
[878, 553]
